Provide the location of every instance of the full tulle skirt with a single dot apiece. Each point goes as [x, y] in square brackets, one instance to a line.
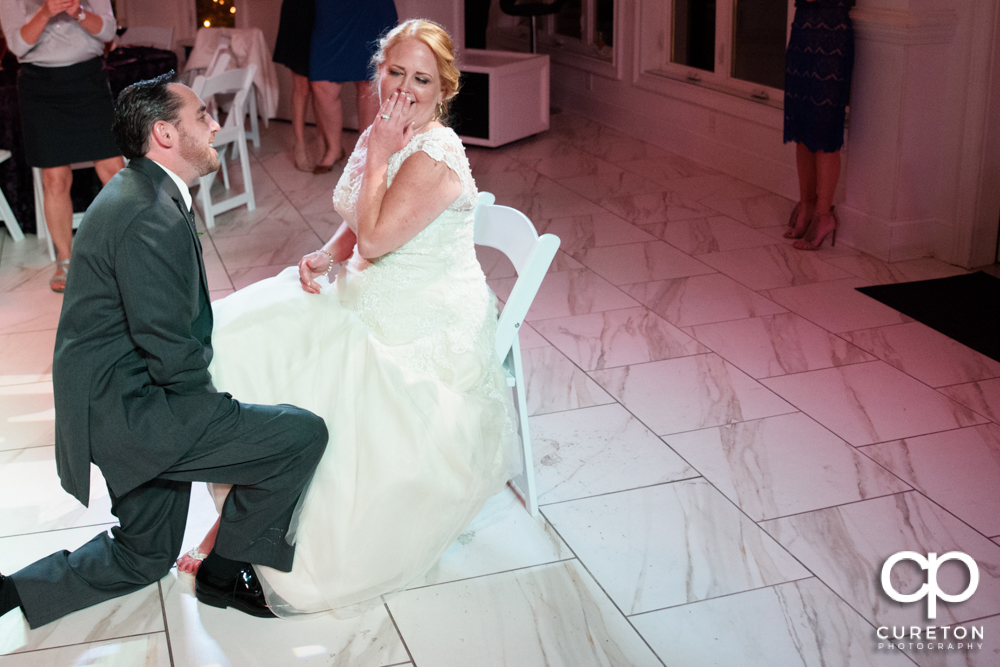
[413, 455]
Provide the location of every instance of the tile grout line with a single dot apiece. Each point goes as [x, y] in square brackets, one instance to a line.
[166, 627]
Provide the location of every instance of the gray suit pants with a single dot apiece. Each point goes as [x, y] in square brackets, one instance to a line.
[267, 452]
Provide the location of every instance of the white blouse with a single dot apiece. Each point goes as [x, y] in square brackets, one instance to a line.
[64, 41]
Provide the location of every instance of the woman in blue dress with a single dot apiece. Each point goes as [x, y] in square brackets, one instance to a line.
[818, 66]
[344, 40]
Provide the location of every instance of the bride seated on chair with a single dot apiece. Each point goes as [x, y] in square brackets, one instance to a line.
[396, 354]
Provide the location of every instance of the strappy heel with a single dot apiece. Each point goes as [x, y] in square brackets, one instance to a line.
[812, 239]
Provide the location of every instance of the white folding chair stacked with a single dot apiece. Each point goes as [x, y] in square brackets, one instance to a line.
[240, 82]
[510, 232]
[222, 58]
[140, 35]
[6, 214]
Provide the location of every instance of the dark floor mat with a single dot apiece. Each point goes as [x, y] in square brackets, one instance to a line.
[965, 308]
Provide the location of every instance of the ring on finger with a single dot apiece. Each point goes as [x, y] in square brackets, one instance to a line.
[386, 116]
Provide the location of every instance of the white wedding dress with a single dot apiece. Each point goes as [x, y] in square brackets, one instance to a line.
[396, 355]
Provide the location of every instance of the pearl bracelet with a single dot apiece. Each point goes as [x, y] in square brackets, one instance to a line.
[330, 265]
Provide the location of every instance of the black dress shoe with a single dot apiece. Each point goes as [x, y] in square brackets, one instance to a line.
[242, 592]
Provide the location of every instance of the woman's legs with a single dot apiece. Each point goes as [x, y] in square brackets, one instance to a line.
[827, 175]
[805, 163]
[106, 169]
[56, 184]
[329, 118]
[300, 98]
[367, 104]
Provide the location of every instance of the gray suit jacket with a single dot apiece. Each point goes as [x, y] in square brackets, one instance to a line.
[130, 373]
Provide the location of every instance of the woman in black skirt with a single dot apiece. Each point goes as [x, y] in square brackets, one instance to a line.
[66, 107]
[818, 66]
[292, 50]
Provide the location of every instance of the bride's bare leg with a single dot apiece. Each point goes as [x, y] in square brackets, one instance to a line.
[188, 563]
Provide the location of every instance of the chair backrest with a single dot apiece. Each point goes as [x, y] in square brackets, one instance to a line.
[220, 59]
[238, 81]
[509, 231]
[141, 35]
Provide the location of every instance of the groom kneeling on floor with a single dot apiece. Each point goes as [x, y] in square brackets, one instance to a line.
[133, 393]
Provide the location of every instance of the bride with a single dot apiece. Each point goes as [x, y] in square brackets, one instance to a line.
[396, 353]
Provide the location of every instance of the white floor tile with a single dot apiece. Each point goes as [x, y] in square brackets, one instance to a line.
[701, 299]
[203, 635]
[640, 263]
[141, 651]
[926, 354]
[837, 306]
[690, 393]
[503, 537]
[26, 353]
[617, 338]
[783, 465]
[777, 345]
[798, 623]
[671, 544]
[568, 293]
[772, 266]
[647, 209]
[846, 546]
[33, 501]
[27, 416]
[983, 397]
[956, 469]
[592, 451]
[552, 383]
[548, 616]
[871, 402]
[717, 233]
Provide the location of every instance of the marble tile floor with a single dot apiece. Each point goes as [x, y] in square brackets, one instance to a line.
[729, 441]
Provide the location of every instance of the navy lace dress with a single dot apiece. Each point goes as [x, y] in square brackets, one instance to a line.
[818, 66]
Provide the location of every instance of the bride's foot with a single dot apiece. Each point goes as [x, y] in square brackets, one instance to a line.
[191, 561]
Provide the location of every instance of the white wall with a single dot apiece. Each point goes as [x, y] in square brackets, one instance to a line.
[922, 159]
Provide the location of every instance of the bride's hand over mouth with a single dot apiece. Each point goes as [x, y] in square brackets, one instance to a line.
[393, 127]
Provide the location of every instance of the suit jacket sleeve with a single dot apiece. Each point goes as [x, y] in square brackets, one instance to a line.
[158, 276]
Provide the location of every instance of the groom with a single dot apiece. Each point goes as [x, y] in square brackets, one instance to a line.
[133, 393]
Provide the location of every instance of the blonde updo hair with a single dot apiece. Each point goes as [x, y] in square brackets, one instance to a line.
[437, 39]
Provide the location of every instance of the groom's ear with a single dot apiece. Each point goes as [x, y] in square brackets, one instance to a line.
[164, 134]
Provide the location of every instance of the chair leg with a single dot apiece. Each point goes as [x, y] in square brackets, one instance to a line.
[43, 229]
[225, 170]
[204, 193]
[247, 177]
[526, 480]
[7, 215]
[254, 127]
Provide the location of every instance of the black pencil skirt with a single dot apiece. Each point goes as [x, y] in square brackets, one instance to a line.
[66, 113]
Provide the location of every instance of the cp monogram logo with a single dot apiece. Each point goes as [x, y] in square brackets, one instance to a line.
[930, 590]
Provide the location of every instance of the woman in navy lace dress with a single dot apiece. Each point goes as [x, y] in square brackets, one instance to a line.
[818, 66]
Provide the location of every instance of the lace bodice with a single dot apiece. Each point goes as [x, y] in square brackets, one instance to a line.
[426, 301]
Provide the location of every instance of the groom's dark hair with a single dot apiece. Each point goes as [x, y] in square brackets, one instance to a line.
[138, 108]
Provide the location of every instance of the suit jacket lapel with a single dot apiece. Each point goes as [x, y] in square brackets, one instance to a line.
[162, 180]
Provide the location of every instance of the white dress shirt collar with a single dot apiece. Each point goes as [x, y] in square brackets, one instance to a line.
[181, 185]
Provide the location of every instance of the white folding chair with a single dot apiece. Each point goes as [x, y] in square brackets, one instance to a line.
[221, 59]
[43, 228]
[509, 231]
[240, 82]
[141, 35]
[6, 214]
